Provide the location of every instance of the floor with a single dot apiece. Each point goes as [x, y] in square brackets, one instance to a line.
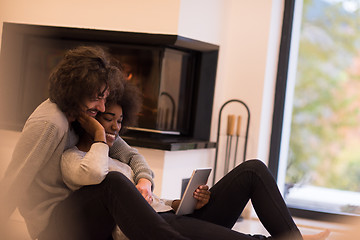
[338, 231]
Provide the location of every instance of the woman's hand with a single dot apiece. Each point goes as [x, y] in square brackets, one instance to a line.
[144, 187]
[92, 126]
[202, 194]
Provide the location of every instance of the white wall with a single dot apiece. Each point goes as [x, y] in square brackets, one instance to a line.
[155, 16]
[247, 31]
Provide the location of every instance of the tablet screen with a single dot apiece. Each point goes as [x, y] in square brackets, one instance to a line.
[188, 202]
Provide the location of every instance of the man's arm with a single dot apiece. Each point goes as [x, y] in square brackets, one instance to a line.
[35, 147]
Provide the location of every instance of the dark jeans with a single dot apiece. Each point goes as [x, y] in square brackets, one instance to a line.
[92, 211]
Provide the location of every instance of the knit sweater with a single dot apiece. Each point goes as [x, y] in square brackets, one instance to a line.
[80, 168]
[88, 168]
[33, 180]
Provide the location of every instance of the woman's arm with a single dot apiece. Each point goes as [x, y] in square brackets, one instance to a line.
[126, 154]
[175, 204]
[81, 169]
[143, 176]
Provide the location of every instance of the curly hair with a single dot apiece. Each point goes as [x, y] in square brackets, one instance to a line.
[81, 74]
[130, 101]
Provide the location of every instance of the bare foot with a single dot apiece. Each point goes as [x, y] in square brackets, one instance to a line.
[319, 236]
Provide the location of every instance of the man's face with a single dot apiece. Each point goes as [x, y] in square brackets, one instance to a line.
[96, 104]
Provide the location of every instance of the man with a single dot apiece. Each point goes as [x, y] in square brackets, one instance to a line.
[33, 182]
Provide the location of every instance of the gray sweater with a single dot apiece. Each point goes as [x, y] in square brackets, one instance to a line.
[33, 180]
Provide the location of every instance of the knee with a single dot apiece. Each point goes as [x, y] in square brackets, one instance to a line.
[116, 183]
[116, 178]
[254, 165]
[254, 168]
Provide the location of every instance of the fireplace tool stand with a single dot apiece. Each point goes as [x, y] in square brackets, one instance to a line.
[229, 152]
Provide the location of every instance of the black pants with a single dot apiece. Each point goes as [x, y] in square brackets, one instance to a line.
[92, 211]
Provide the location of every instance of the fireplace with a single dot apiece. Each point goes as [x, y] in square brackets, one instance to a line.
[176, 76]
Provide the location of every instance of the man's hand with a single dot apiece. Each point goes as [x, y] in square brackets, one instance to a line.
[202, 194]
[144, 187]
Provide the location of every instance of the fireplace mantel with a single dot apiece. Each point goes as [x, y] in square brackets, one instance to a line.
[168, 143]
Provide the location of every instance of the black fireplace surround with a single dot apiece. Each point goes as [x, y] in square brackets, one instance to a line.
[176, 76]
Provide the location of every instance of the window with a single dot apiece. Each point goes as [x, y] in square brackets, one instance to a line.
[315, 151]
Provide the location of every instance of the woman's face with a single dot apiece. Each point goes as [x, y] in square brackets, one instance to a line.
[111, 120]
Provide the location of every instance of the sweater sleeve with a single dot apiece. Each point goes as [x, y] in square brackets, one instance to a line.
[37, 144]
[124, 153]
[80, 169]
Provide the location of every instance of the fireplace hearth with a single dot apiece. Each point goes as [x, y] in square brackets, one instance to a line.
[176, 76]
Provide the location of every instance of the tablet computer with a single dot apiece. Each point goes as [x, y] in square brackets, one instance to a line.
[188, 202]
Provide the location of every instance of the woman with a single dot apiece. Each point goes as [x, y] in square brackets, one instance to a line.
[88, 165]
[79, 168]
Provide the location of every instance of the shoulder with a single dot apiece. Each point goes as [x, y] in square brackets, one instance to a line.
[121, 149]
[120, 144]
[47, 114]
[120, 141]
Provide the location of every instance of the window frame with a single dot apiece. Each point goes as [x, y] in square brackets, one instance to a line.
[278, 116]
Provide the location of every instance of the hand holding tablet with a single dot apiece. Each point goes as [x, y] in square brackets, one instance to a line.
[188, 202]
